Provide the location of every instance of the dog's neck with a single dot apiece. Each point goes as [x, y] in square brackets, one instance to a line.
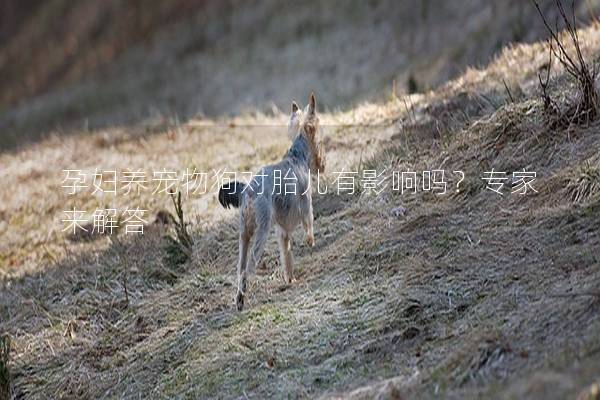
[300, 150]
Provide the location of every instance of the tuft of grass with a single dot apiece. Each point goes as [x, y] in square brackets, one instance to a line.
[585, 184]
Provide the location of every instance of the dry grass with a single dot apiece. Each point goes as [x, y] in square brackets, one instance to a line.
[585, 183]
[465, 295]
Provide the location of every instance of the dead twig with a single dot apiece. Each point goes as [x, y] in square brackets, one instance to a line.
[510, 96]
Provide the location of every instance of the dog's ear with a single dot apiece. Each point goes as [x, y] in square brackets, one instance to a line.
[294, 107]
[312, 104]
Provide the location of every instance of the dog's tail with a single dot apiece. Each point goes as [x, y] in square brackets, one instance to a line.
[230, 194]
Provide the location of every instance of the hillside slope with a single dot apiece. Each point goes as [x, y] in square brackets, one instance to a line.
[462, 295]
[102, 63]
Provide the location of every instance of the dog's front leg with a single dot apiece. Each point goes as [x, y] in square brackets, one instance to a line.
[308, 226]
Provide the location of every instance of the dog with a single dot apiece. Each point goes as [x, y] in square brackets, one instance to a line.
[262, 205]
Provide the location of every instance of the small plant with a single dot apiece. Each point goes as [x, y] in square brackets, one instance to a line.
[124, 261]
[588, 107]
[179, 246]
[412, 85]
[4, 372]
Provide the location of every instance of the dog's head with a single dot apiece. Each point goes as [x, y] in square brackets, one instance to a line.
[295, 121]
[310, 128]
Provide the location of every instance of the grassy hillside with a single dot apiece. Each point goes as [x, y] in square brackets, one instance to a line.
[463, 295]
[103, 63]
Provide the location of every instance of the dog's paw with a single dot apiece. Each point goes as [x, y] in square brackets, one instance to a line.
[310, 241]
[239, 301]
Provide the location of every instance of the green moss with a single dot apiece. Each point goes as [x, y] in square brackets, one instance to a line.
[268, 313]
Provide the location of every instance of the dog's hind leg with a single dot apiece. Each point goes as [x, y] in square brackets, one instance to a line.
[261, 234]
[241, 268]
[285, 251]
[247, 228]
